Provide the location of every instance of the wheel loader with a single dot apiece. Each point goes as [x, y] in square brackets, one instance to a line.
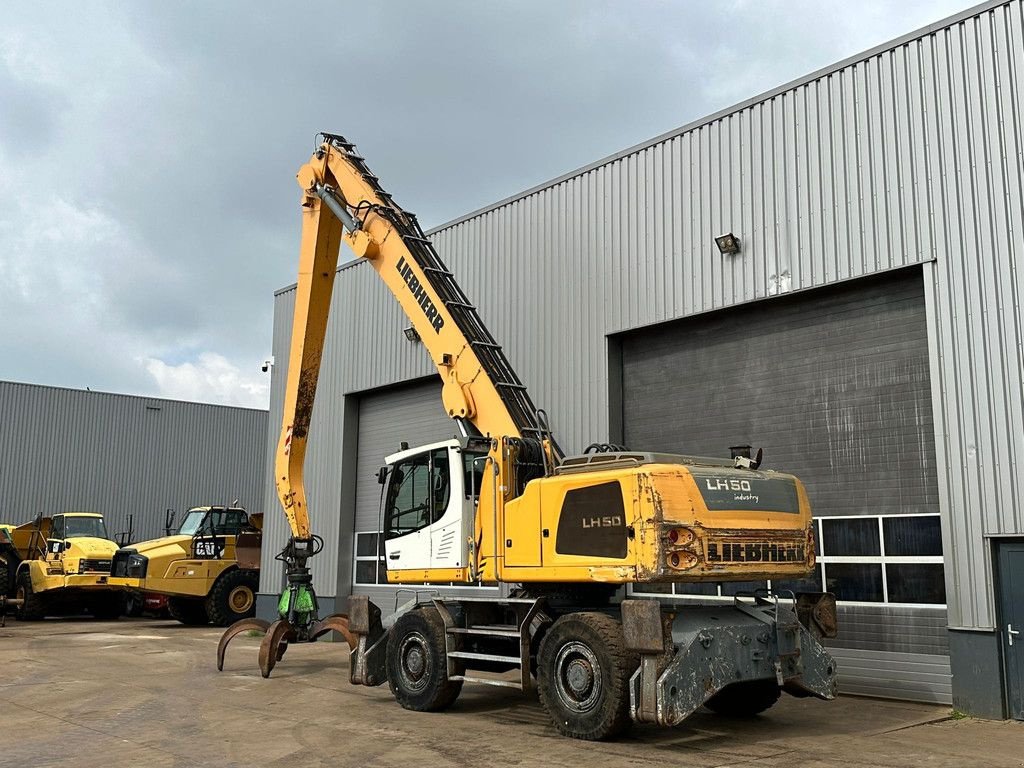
[208, 570]
[59, 564]
[501, 503]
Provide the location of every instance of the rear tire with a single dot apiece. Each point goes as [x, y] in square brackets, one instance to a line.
[34, 606]
[745, 699]
[583, 672]
[5, 584]
[188, 610]
[233, 597]
[416, 663]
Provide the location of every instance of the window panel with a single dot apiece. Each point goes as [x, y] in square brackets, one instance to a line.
[811, 584]
[850, 537]
[653, 589]
[912, 535]
[366, 571]
[915, 583]
[735, 587]
[366, 544]
[854, 581]
[701, 588]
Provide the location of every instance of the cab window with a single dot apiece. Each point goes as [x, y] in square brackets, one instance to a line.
[57, 529]
[417, 493]
[223, 522]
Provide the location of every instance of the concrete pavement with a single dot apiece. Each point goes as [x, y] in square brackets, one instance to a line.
[147, 693]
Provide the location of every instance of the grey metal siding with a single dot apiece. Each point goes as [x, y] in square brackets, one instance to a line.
[909, 153]
[69, 449]
[833, 384]
[894, 652]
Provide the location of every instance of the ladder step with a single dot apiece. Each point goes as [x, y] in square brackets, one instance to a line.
[488, 681]
[488, 631]
[473, 656]
[492, 600]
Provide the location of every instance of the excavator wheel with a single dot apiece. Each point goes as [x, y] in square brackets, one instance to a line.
[188, 610]
[417, 667]
[583, 673]
[233, 597]
[745, 699]
[33, 607]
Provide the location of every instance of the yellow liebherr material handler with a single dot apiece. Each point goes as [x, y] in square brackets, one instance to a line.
[59, 563]
[500, 503]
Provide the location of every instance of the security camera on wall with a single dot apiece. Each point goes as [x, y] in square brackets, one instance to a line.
[267, 365]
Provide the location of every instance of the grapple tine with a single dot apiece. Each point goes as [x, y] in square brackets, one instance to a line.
[233, 631]
[278, 633]
[338, 622]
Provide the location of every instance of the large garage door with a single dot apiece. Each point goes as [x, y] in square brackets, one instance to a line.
[412, 414]
[834, 385]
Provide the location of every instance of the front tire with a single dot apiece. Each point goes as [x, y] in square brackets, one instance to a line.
[33, 607]
[233, 597]
[583, 672]
[417, 663]
[745, 699]
[188, 610]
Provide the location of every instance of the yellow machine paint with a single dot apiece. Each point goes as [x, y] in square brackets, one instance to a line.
[509, 543]
[501, 503]
[209, 570]
[59, 563]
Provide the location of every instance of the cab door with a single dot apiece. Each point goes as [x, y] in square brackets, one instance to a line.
[408, 510]
[451, 503]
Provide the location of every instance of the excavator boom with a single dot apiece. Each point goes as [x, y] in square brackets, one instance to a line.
[342, 201]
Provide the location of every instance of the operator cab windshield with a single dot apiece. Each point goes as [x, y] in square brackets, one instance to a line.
[191, 523]
[215, 522]
[80, 527]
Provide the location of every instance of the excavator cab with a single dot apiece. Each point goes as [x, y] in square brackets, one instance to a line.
[429, 505]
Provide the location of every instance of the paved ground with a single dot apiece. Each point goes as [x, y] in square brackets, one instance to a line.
[147, 693]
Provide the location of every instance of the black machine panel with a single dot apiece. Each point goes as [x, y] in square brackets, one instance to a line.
[593, 522]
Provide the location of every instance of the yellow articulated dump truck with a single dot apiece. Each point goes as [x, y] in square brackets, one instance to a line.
[209, 569]
[59, 564]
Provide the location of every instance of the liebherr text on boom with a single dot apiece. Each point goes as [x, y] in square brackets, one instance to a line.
[501, 503]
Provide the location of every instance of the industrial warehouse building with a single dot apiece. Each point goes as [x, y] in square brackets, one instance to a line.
[867, 334]
[76, 450]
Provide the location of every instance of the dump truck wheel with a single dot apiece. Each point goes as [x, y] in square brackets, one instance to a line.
[745, 699]
[417, 667]
[583, 672]
[233, 597]
[188, 610]
[108, 607]
[34, 606]
[5, 584]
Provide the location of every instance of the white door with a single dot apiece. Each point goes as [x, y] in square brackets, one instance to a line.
[407, 513]
[447, 540]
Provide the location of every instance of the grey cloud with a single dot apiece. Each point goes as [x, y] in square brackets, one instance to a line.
[183, 123]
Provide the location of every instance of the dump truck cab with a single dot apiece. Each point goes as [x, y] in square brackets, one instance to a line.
[59, 563]
[209, 569]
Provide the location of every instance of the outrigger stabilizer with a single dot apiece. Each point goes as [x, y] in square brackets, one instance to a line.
[298, 620]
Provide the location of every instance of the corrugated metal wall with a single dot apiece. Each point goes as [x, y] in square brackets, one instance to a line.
[70, 449]
[906, 154]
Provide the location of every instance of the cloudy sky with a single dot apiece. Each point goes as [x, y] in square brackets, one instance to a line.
[147, 150]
